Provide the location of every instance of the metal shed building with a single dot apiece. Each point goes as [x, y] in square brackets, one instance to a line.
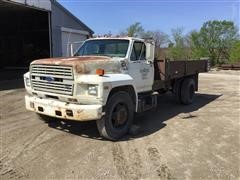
[33, 29]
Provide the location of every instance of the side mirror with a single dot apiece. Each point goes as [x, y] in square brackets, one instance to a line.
[150, 48]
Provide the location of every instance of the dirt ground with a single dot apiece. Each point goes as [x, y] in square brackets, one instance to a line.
[200, 141]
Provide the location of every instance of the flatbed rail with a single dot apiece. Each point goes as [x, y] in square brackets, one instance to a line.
[167, 70]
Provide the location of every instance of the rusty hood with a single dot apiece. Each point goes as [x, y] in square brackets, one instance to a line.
[84, 64]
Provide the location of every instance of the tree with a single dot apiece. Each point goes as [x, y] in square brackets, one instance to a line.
[135, 30]
[214, 39]
[235, 52]
[179, 48]
[161, 40]
[109, 34]
[195, 43]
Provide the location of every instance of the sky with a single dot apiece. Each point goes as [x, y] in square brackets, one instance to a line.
[104, 16]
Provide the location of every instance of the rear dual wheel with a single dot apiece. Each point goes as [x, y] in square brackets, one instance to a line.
[187, 91]
[118, 116]
[184, 91]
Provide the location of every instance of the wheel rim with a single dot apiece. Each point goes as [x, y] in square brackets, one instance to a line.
[119, 115]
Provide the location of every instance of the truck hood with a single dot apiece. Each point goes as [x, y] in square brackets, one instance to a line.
[84, 64]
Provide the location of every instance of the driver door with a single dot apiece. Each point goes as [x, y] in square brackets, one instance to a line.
[140, 68]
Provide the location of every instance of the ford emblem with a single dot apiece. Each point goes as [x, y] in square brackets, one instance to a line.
[49, 79]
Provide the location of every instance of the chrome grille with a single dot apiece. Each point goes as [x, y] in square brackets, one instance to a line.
[52, 79]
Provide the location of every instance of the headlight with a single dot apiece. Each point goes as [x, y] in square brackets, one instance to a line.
[87, 89]
[93, 90]
[27, 82]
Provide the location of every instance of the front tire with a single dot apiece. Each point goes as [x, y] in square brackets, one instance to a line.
[118, 118]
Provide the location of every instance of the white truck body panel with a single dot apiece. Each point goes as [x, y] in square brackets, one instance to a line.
[138, 74]
[80, 112]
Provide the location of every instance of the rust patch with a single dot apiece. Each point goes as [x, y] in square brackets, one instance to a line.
[82, 115]
[84, 64]
[71, 60]
[79, 68]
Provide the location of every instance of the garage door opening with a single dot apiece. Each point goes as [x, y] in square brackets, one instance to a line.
[24, 37]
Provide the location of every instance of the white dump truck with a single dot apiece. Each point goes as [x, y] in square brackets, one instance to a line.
[108, 80]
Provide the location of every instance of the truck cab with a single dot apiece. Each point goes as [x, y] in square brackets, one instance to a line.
[135, 55]
[107, 80]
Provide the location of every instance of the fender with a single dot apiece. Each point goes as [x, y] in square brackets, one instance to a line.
[109, 82]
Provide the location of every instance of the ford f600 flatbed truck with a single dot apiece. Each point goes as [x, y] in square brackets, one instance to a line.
[108, 80]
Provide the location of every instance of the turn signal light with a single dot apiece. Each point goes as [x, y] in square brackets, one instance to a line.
[100, 72]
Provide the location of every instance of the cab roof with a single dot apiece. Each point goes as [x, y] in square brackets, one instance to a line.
[124, 38]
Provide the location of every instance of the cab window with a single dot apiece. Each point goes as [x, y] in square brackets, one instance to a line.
[138, 51]
[104, 47]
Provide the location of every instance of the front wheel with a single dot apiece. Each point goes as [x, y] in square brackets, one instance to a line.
[118, 116]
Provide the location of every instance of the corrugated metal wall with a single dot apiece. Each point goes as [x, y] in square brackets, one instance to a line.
[61, 18]
[42, 4]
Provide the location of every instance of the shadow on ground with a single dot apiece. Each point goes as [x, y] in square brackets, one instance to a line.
[148, 122]
[11, 79]
[11, 84]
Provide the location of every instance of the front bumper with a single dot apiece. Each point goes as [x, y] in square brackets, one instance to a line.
[63, 110]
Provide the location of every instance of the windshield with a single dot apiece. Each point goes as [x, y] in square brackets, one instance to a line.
[104, 47]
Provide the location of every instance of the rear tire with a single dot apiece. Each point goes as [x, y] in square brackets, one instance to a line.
[177, 90]
[187, 91]
[118, 116]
